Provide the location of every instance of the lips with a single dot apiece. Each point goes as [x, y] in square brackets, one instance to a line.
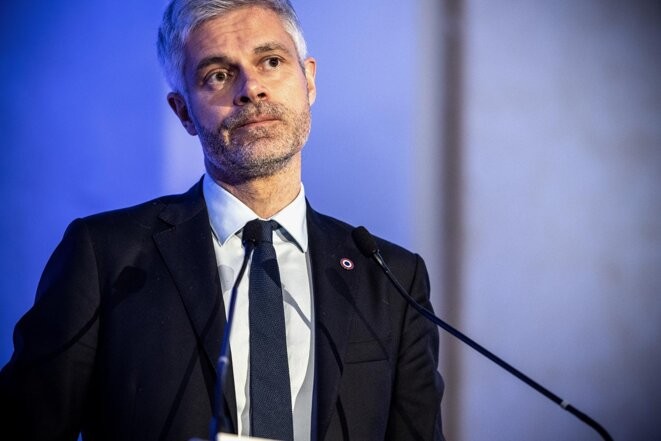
[253, 115]
[256, 121]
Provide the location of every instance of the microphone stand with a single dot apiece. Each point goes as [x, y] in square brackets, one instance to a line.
[367, 246]
[218, 419]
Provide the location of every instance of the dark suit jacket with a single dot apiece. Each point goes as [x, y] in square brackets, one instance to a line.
[122, 339]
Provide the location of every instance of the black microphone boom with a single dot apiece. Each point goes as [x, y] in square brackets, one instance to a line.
[368, 246]
[218, 421]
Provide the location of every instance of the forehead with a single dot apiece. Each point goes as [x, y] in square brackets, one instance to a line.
[236, 32]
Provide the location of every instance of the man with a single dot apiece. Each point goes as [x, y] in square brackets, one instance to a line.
[122, 339]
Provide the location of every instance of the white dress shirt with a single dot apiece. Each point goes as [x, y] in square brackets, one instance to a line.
[227, 216]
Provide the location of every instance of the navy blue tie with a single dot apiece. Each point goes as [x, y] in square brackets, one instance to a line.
[270, 393]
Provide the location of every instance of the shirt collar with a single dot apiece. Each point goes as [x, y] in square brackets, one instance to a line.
[228, 215]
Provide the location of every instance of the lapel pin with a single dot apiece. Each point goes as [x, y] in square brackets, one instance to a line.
[347, 264]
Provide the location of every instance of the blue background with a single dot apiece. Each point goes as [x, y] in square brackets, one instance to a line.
[86, 127]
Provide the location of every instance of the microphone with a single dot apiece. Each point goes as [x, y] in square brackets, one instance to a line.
[368, 247]
[218, 419]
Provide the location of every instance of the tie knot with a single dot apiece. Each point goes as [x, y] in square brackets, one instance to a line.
[259, 231]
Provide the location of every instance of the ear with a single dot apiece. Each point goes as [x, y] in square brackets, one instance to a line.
[178, 104]
[310, 70]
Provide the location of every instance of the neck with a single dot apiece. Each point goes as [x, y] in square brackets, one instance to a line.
[267, 195]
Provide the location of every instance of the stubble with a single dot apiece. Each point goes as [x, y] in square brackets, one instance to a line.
[239, 154]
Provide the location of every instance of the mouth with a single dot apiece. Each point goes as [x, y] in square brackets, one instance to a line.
[256, 122]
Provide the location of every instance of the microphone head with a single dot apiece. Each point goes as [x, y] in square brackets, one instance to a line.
[365, 241]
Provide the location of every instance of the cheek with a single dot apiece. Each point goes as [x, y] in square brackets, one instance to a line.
[299, 95]
[209, 114]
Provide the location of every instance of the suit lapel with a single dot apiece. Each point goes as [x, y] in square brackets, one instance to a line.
[334, 289]
[187, 249]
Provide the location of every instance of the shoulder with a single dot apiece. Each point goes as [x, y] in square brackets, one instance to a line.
[169, 208]
[338, 232]
[142, 219]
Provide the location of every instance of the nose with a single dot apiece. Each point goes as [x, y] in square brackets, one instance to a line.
[251, 90]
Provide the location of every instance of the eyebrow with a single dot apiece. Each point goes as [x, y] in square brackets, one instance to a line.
[208, 61]
[271, 47]
[222, 59]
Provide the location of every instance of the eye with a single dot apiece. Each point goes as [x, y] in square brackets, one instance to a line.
[273, 62]
[217, 78]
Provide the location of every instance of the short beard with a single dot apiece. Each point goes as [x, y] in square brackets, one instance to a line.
[259, 153]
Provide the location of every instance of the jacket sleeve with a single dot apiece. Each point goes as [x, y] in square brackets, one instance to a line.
[44, 386]
[415, 412]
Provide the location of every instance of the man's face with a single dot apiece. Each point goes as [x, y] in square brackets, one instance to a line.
[248, 97]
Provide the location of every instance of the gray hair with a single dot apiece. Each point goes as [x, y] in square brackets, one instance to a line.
[181, 17]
